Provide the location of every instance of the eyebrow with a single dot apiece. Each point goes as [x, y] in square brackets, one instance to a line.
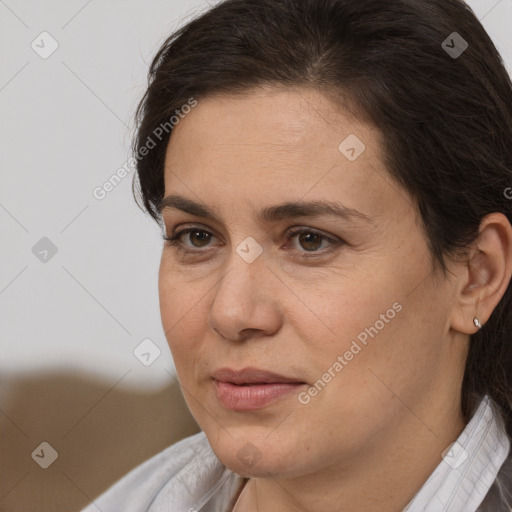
[289, 210]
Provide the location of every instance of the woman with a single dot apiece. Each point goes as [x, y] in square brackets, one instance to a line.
[335, 281]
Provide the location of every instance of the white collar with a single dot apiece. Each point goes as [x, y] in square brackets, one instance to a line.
[469, 467]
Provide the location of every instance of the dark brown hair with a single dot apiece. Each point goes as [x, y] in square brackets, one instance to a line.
[445, 120]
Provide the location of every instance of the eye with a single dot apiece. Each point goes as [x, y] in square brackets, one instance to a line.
[310, 241]
[197, 234]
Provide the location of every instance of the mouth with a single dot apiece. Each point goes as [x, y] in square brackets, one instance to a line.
[250, 376]
[252, 388]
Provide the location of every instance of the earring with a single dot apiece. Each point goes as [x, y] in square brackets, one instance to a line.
[477, 323]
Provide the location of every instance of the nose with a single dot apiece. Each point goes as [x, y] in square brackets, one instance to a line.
[245, 302]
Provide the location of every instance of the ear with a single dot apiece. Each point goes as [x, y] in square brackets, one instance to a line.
[486, 274]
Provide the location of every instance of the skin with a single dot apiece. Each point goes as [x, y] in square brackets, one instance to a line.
[396, 404]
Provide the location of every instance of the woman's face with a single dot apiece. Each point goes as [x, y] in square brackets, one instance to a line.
[349, 310]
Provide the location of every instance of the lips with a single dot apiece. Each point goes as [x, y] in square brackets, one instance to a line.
[250, 389]
[248, 376]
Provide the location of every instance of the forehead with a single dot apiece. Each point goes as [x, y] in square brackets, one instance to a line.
[276, 144]
[273, 117]
[265, 123]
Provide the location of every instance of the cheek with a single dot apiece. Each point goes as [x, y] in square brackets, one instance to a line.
[389, 350]
[346, 308]
[182, 312]
[178, 295]
[375, 325]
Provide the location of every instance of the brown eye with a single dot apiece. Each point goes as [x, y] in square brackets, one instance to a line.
[202, 237]
[310, 241]
[197, 239]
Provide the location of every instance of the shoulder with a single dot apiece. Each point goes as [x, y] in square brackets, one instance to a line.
[183, 466]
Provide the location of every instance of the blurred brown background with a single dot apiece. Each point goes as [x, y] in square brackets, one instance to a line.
[99, 430]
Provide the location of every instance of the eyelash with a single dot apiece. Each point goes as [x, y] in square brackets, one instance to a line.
[174, 241]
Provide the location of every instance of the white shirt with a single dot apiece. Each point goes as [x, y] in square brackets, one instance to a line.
[475, 475]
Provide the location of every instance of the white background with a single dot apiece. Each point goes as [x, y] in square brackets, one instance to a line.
[66, 127]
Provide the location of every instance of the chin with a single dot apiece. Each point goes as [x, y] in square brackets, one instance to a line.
[252, 456]
[263, 468]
